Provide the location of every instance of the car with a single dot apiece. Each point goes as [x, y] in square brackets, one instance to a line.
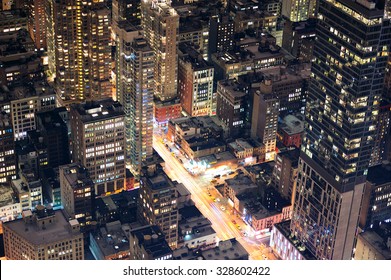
[214, 200]
[231, 173]
[238, 226]
[213, 181]
[222, 208]
[217, 176]
[209, 194]
[234, 222]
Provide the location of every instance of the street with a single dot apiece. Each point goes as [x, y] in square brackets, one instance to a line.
[224, 222]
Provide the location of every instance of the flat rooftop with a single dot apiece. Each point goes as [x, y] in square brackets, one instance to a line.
[6, 195]
[54, 232]
[284, 229]
[241, 183]
[112, 239]
[229, 249]
[377, 242]
[292, 125]
[76, 175]
[93, 111]
[380, 174]
[157, 245]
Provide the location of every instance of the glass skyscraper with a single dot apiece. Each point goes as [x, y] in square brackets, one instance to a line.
[350, 55]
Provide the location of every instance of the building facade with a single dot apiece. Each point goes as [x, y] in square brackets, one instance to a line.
[76, 193]
[195, 82]
[265, 118]
[36, 23]
[135, 85]
[98, 143]
[341, 113]
[161, 22]
[7, 150]
[79, 53]
[157, 204]
[43, 235]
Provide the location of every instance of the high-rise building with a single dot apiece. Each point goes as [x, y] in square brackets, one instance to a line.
[54, 133]
[376, 205]
[195, 81]
[221, 34]
[265, 118]
[285, 173]
[24, 102]
[350, 56]
[36, 22]
[98, 143]
[148, 243]
[157, 204]
[7, 150]
[298, 10]
[160, 23]
[195, 31]
[43, 235]
[380, 149]
[233, 106]
[126, 10]
[79, 51]
[76, 193]
[135, 85]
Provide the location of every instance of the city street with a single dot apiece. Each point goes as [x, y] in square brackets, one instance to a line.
[224, 222]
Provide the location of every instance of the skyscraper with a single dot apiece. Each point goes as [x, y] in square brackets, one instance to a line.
[76, 193]
[157, 204]
[43, 235]
[298, 10]
[98, 143]
[79, 53]
[160, 23]
[350, 56]
[265, 118]
[36, 22]
[135, 85]
[195, 80]
[221, 34]
[126, 10]
[7, 149]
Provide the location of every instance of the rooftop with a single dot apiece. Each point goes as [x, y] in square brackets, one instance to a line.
[92, 111]
[292, 124]
[76, 175]
[56, 231]
[292, 154]
[189, 55]
[229, 249]
[262, 171]
[380, 174]
[152, 239]
[33, 89]
[211, 143]
[186, 123]
[241, 183]
[284, 229]
[158, 180]
[6, 195]
[232, 88]
[379, 243]
[112, 239]
[5, 121]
